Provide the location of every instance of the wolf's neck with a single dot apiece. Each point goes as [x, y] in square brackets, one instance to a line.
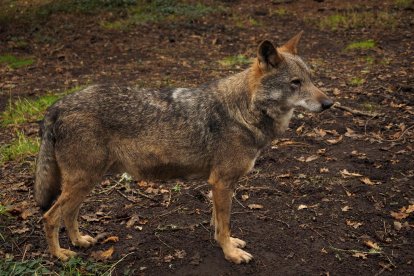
[266, 122]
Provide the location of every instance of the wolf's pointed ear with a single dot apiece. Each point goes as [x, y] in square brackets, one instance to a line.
[267, 55]
[291, 45]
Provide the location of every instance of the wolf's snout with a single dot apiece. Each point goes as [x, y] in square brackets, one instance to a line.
[326, 103]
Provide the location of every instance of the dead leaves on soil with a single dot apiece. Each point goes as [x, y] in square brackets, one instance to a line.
[403, 213]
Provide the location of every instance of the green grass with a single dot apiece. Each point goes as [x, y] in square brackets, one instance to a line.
[355, 20]
[15, 62]
[356, 81]
[280, 11]
[20, 148]
[234, 61]
[75, 266]
[361, 45]
[31, 110]
[403, 3]
[370, 107]
[3, 210]
[369, 60]
[29, 267]
[160, 10]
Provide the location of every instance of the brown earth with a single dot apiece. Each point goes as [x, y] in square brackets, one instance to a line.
[327, 188]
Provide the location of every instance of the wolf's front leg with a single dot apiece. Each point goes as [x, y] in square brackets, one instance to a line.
[222, 195]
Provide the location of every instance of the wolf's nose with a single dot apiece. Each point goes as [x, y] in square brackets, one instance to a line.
[327, 104]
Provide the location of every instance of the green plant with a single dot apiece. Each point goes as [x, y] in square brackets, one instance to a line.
[361, 45]
[234, 60]
[3, 210]
[403, 3]
[351, 19]
[280, 11]
[356, 81]
[368, 106]
[15, 62]
[20, 148]
[177, 188]
[11, 267]
[160, 10]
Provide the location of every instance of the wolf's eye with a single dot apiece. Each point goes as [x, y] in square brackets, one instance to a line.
[296, 82]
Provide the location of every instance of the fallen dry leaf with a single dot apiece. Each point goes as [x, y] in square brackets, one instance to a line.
[255, 206]
[299, 130]
[245, 197]
[168, 258]
[323, 170]
[103, 255]
[21, 230]
[399, 215]
[403, 213]
[89, 218]
[408, 209]
[351, 133]
[372, 245]
[320, 132]
[335, 141]
[302, 206]
[367, 181]
[180, 254]
[111, 239]
[397, 225]
[360, 255]
[346, 208]
[307, 159]
[346, 174]
[353, 224]
[134, 218]
[285, 175]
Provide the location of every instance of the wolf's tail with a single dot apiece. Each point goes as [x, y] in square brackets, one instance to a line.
[48, 181]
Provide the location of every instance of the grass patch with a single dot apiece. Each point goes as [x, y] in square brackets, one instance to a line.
[19, 149]
[15, 62]
[75, 266]
[361, 45]
[234, 61]
[25, 110]
[160, 10]
[356, 81]
[28, 267]
[403, 3]
[3, 210]
[355, 20]
[370, 107]
[280, 12]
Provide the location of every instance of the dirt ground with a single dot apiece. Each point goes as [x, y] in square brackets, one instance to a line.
[334, 195]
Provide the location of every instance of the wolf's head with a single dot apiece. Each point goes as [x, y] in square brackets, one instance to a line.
[280, 79]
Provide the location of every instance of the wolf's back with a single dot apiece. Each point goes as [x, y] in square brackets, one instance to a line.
[47, 182]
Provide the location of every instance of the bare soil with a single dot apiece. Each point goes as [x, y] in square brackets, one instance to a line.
[327, 188]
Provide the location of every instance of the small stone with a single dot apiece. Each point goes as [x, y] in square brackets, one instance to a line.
[397, 225]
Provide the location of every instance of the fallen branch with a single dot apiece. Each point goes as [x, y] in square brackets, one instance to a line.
[356, 112]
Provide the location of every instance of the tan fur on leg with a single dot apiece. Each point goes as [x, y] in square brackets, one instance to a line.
[222, 196]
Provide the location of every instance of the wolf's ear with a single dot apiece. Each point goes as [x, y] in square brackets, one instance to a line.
[291, 45]
[268, 56]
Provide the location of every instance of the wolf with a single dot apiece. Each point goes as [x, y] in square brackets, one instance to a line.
[214, 132]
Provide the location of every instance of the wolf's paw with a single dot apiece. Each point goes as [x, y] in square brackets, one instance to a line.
[84, 241]
[236, 255]
[235, 242]
[64, 254]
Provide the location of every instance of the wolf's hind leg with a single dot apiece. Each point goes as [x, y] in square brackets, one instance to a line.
[77, 189]
[52, 221]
